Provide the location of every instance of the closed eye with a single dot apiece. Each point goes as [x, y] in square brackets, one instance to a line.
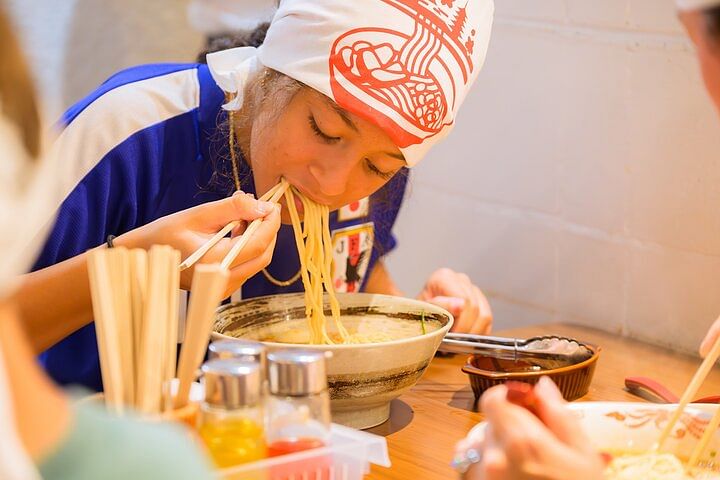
[316, 129]
[384, 175]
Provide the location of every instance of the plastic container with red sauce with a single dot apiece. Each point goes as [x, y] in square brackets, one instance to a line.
[347, 456]
[298, 406]
[285, 447]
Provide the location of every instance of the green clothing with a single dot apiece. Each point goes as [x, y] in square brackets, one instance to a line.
[100, 446]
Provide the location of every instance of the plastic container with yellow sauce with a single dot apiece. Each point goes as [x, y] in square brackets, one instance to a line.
[231, 419]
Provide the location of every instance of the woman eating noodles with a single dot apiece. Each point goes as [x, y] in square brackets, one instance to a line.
[341, 98]
[517, 444]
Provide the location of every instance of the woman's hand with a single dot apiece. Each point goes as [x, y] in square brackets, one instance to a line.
[456, 293]
[519, 445]
[711, 337]
[188, 230]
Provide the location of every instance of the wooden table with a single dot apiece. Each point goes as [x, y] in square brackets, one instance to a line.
[426, 422]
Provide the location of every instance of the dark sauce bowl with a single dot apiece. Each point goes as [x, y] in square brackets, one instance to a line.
[572, 380]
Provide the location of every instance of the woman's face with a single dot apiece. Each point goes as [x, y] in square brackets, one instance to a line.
[708, 52]
[332, 156]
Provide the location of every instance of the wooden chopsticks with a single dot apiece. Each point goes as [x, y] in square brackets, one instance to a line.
[704, 441]
[104, 309]
[135, 303]
[271, 195]
[690, 392]
[208, 286]
[207, 291]
[237, 248]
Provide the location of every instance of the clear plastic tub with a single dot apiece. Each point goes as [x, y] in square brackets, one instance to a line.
[347, 457]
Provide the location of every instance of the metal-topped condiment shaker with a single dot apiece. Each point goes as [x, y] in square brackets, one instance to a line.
[298, 402]
[232, 383]
[297, 372]
[245, 350]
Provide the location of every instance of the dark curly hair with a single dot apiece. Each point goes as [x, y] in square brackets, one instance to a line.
[243, 38]
[268, 88]
[712, 21]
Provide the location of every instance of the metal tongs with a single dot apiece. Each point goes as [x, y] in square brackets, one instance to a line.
[545, 348]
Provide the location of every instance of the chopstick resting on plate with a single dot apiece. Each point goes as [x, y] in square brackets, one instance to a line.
[691, 390]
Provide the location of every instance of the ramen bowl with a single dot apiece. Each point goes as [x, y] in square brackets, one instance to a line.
[363, 378]
[634, 428]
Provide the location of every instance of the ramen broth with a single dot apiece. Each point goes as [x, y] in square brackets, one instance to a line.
[362, 329]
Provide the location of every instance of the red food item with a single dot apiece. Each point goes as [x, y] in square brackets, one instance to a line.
[283, 447]
[522, 395]
[314, 468]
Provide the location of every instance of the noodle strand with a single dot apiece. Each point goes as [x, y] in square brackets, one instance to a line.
[314, 250]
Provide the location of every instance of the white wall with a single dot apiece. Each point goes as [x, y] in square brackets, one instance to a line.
[74, 45]
[582, 183]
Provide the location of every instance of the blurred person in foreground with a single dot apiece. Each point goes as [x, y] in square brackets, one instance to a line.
[43, 434]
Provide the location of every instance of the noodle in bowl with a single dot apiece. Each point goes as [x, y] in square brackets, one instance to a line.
[363, 377]
[628, 431]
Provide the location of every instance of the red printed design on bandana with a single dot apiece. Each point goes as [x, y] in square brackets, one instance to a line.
[352, 248]
[406, 81]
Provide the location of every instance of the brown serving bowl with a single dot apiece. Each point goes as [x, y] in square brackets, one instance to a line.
[573, 380]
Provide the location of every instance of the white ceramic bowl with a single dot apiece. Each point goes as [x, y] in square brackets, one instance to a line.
[635, 427]
[363, 378]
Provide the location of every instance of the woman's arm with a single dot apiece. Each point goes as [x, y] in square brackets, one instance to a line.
[55, 301]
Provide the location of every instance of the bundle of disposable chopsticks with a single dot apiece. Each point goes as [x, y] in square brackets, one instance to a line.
[690, 392]
[135, 303]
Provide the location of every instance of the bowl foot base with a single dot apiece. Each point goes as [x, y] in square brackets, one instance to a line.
[362, 417]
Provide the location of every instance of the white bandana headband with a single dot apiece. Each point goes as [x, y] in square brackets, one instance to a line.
[405, 65]
[685, 5]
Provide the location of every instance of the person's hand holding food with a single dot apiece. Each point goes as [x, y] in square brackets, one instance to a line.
[520, 444]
